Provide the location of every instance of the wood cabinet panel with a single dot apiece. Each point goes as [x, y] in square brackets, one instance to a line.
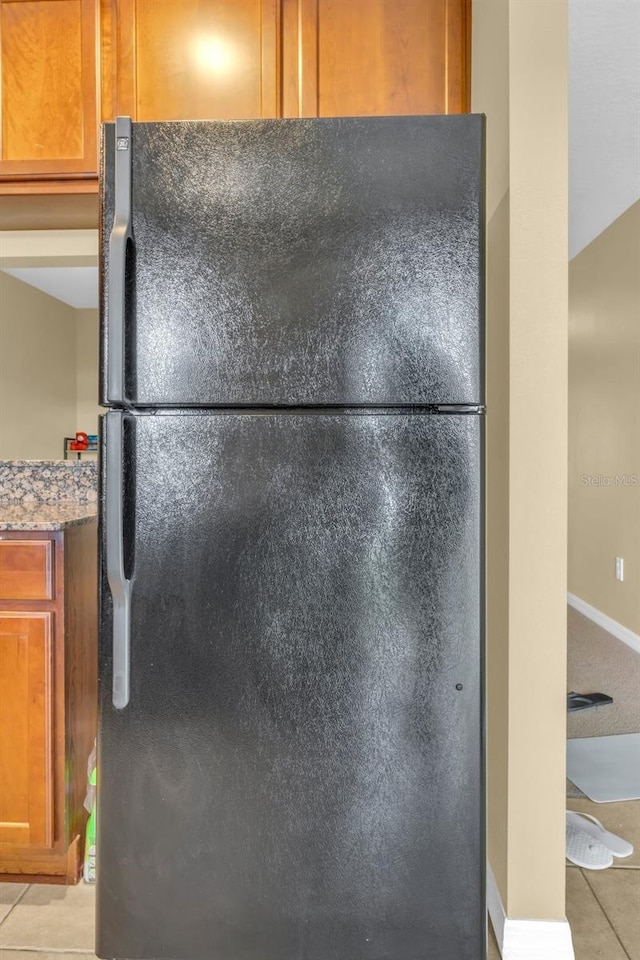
[197, 59]
[26, 813]
[48, 701]
[26, 570]
[49, 88]
[67, 63]
[374, 57]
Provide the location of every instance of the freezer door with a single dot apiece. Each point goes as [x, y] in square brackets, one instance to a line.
[288, 262]
[297, 773]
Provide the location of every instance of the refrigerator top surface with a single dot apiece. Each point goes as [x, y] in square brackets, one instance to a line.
[294, 262]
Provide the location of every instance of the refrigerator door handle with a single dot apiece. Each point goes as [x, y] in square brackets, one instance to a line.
[119, 585]
[119, 239]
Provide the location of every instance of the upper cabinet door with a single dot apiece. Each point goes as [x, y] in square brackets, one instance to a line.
[49, 89]
[374, 57]
[195, 60]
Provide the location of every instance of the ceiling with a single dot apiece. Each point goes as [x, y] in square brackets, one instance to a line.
[604, 115]
[77, 286]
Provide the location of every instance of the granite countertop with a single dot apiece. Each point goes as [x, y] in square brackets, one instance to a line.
[32, 515]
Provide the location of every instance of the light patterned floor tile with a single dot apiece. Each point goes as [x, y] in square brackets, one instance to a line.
[618, 893]
[7, 954]
[52, 918]
[10, 893]
[593, 938]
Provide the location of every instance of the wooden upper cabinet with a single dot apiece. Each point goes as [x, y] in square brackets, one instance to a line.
[374, 57]
[226, 59]
[193, 59]
[65, 65]
[49, 89]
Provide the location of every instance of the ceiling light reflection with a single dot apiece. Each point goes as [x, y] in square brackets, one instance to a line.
[213, 54]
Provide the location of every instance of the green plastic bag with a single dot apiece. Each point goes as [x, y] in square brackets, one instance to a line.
[89, 871]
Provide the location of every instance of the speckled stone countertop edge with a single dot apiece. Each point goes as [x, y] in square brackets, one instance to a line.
[38, 517]
[48, 481]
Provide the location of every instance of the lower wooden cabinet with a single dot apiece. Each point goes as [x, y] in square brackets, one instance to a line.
[48, 667]
[26, 729]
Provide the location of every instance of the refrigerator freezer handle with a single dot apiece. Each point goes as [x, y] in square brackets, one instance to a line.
[118, 584]
[119, 240]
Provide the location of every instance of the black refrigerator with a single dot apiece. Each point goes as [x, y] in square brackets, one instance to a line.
[291, 639]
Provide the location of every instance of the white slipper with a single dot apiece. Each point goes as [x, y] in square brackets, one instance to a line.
[618, 846]
[586, 852]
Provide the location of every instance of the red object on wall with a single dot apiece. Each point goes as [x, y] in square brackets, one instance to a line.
[81, 442]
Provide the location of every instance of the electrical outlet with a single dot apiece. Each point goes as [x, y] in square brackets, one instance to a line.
[619, 568]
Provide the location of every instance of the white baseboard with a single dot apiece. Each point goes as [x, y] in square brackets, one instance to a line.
[607, 623]
[526, 939]
[495, 907]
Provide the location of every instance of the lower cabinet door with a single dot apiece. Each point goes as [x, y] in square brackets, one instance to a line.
[26, 794]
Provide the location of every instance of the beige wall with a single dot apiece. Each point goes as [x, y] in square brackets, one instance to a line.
[490, 86]
[538, 455]
[604, 420]
[498, 540]
[490, 91]
[87, 370]
[37, 372]
[48, 248]
[519, 79]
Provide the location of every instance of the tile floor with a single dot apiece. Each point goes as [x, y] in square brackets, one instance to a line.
[42, 922]
[603, 906]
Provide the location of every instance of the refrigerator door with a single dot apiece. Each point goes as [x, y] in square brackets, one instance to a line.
[297, 772]
[288, 262]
